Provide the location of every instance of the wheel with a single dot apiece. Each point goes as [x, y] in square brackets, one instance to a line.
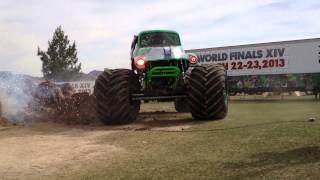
[113, 91]
[181, 105]
[207, 92]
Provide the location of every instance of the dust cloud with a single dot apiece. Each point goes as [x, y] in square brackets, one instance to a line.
[15, 94]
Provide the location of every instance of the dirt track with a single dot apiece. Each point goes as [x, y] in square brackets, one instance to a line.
[48, 148]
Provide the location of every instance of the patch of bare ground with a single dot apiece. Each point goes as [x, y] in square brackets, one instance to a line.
[161, 116]
[47, 149]
[51, 145]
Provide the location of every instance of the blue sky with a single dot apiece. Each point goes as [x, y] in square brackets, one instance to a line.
[103, 29]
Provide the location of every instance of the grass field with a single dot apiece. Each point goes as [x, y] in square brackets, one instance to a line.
[258, 140]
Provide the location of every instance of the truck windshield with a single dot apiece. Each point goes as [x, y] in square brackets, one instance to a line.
[159, 39]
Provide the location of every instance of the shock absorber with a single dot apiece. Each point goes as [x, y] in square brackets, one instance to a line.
[142, 79]
[183, 69]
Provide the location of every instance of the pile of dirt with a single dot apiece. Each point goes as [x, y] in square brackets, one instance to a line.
[0, 109]
[61, 103]
[4, 122]
[46, 94]
[79, 109]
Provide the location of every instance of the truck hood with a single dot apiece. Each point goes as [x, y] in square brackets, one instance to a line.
[161, 53]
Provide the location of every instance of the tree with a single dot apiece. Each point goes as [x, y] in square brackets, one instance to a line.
[60, 61]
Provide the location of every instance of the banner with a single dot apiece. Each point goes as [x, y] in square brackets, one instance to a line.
[287, 57]
[81, 86]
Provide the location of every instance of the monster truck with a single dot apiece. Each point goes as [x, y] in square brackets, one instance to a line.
[161, 70]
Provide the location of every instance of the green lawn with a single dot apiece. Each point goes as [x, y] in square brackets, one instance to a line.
[258, 140]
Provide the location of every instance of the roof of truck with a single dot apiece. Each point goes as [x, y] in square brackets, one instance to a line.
[158, 30]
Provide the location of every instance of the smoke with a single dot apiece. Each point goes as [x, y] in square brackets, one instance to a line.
[15, 94]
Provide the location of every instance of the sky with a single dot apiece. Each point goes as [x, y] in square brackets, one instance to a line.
[103, 29]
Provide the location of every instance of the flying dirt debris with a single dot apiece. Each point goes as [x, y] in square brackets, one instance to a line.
[62, 103]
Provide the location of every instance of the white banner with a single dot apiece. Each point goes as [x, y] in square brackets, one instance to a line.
[81, 86]
[287, 57]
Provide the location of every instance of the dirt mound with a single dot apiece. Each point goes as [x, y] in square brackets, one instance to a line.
[4, 122]
[79, 109]
[61, 103]
[0, 109]
[47, 94]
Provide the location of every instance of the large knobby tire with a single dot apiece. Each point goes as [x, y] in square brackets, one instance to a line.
[181, 105]
[113, 89]
[207, 92]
